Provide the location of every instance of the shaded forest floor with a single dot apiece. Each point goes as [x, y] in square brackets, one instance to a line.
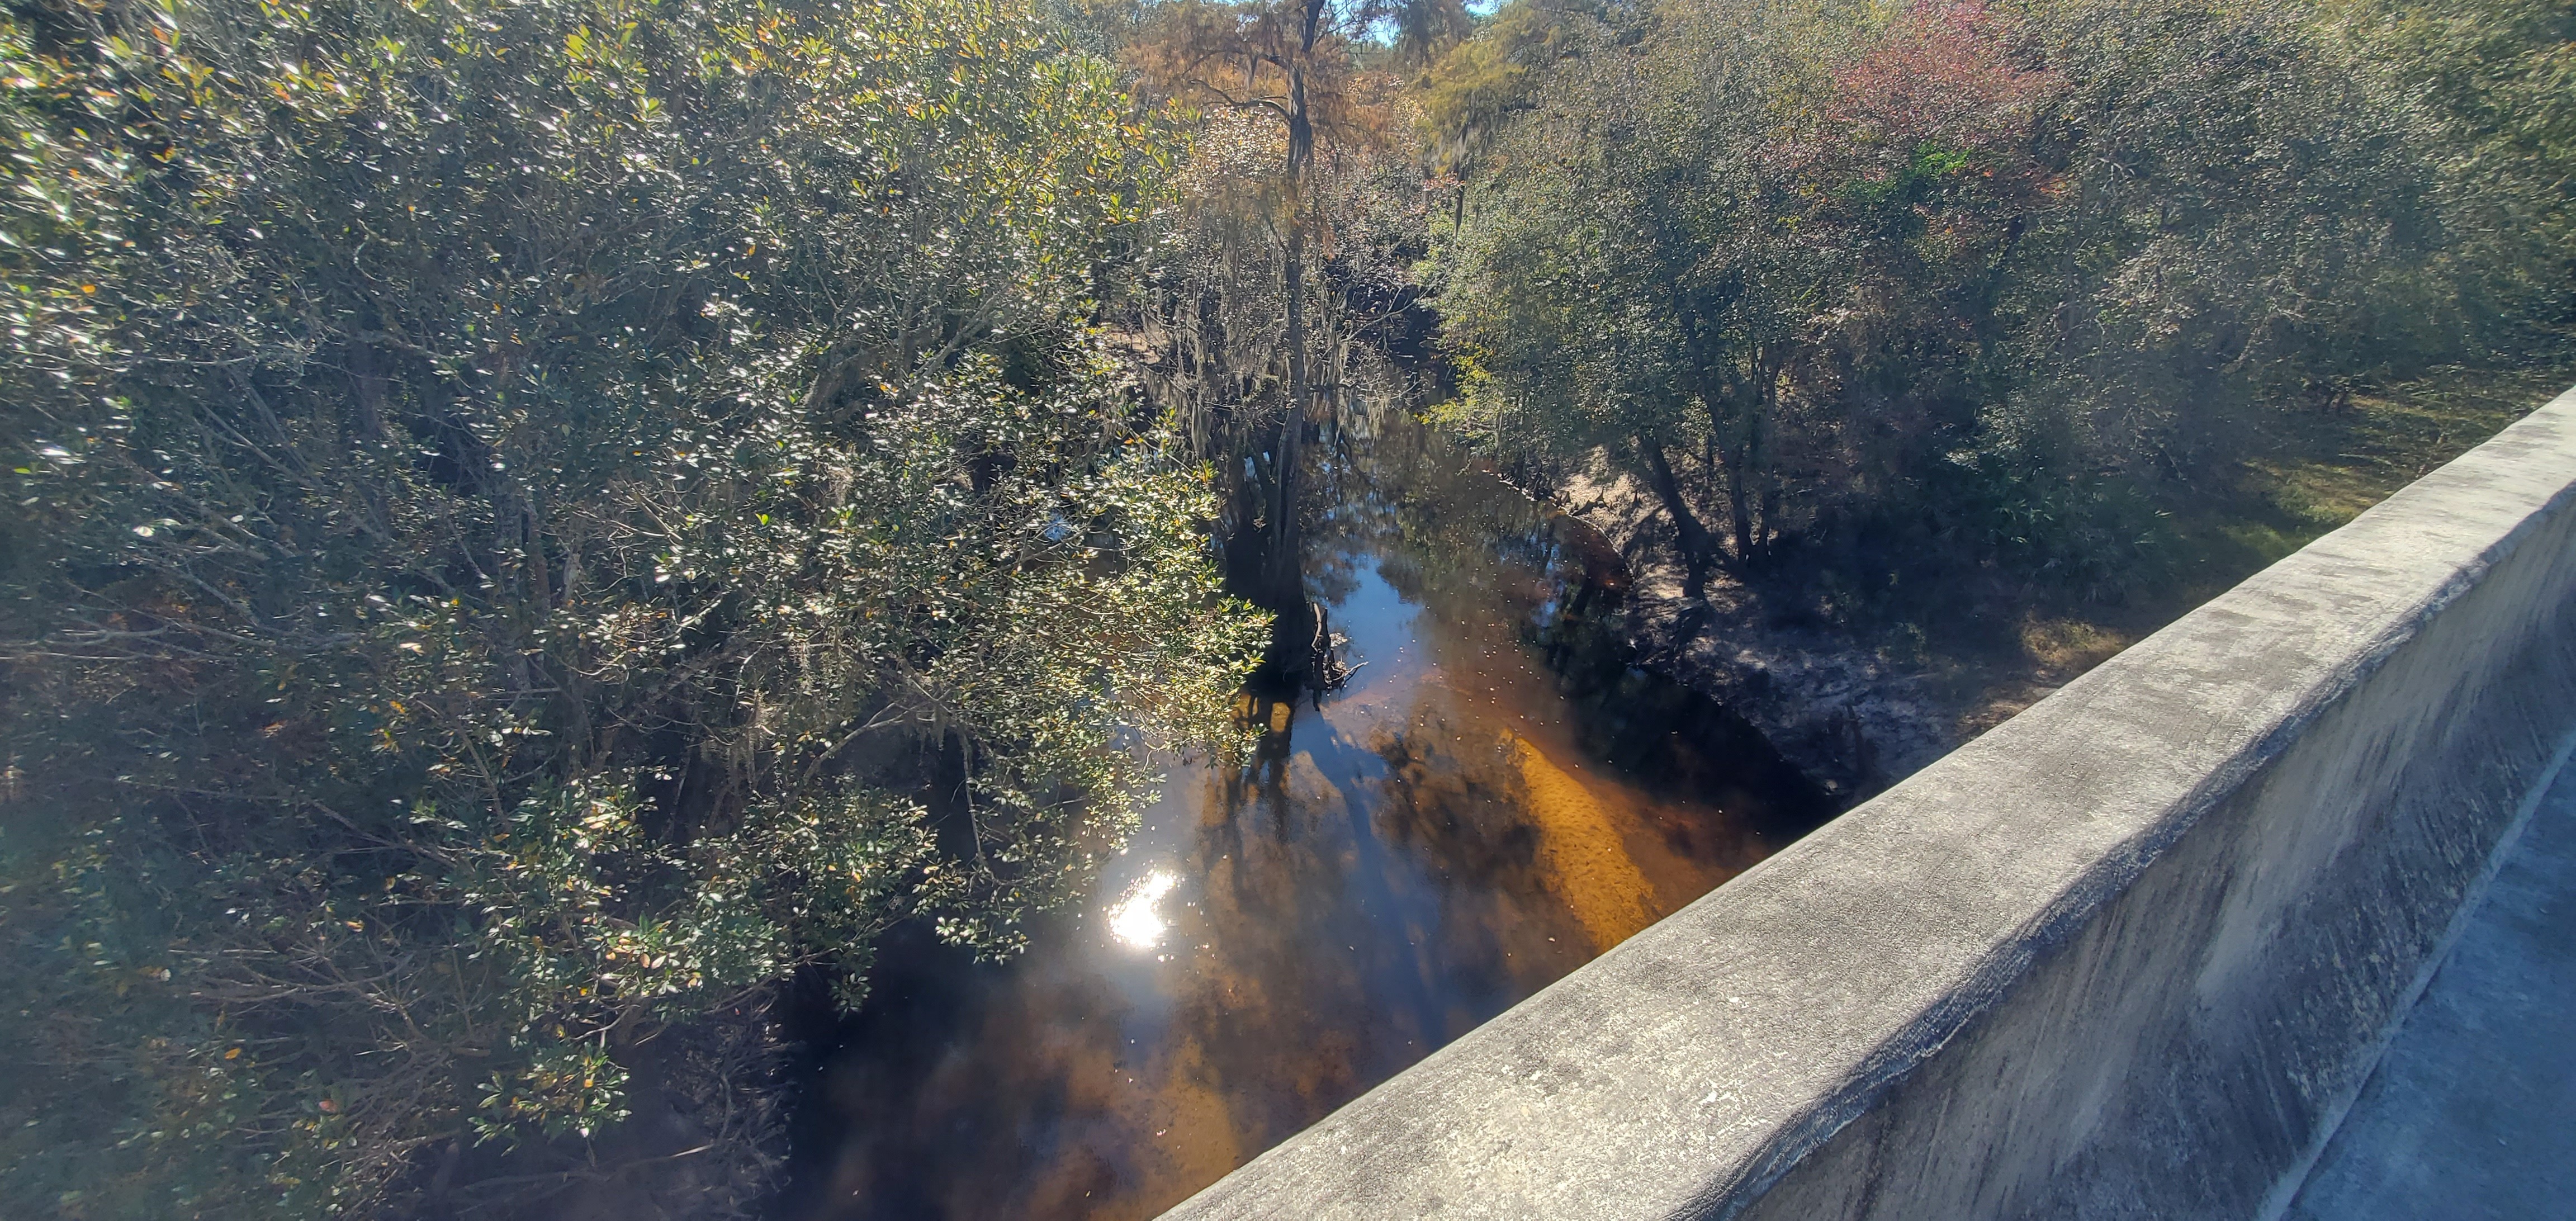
[1862, 700]
[2325, 465]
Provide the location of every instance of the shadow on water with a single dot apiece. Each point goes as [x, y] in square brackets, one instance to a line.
[1463, 792]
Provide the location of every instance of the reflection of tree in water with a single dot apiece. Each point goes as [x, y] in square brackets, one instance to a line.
[1452, 799]
[1445, 533]
[1384, 492]
[1380, 872]
[1263, 565]
[1455, 539]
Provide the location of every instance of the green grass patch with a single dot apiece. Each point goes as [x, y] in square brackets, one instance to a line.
[2329, 461]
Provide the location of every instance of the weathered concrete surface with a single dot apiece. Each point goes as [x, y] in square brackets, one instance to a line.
[2471, 1115]
[2126, 955]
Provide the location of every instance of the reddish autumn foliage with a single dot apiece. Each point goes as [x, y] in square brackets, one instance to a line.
[1930, 131]
[1941, 77]
[1920, 166]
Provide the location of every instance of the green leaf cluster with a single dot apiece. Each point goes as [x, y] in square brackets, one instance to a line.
[534, 520]
[1959, 284]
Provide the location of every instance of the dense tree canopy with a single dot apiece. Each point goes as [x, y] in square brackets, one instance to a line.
[1934, 271]
[535, 518]
[535, 521]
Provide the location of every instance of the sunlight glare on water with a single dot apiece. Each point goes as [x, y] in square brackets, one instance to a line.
[1134, 921]
[1495, 795]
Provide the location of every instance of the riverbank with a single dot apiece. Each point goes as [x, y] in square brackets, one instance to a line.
[1861, 705]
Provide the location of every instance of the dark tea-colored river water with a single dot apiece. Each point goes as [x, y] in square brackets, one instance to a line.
[1492, 798]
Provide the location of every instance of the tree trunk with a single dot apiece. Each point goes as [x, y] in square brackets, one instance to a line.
[1739, 499]
[1285, 561]
[1283, 582]
[1286, 580]
[1765, 490]
[1692, 536]
[1766, 532]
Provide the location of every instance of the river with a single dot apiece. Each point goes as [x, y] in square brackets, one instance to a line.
[1489, 798]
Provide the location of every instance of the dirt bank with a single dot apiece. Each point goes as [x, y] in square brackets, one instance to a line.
[1854, 719]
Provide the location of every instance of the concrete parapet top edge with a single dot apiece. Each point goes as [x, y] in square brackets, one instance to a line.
[1684, 1070]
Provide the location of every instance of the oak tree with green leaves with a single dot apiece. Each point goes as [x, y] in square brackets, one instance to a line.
[535, 519]
[1953, 284]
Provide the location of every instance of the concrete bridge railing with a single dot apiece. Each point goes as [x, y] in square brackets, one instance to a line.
[2130, 954]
